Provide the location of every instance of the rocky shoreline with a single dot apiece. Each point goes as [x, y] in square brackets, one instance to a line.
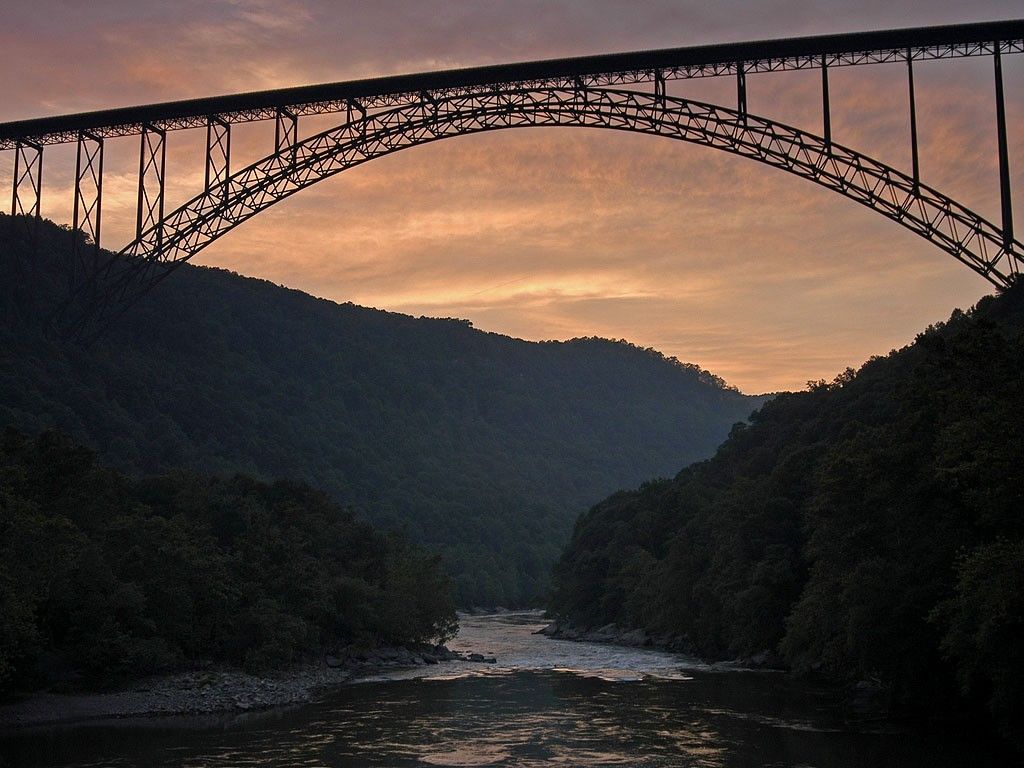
[613, 634]
[866, 698]
[223, 690]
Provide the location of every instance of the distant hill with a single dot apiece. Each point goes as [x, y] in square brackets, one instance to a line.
[868, 529]
[484, 446]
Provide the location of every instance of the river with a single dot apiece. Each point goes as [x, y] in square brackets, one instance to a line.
[545, 702]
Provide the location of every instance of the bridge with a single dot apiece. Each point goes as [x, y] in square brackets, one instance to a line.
[622, 91]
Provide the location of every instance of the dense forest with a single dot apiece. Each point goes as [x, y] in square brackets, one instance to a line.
[484, 447]
[867, 529]
[103, 577]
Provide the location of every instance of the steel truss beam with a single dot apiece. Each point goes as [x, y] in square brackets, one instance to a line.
[942, 221]
[894, 46]
[88, 204]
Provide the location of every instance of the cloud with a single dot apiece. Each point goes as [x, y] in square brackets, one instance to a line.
[552, 233]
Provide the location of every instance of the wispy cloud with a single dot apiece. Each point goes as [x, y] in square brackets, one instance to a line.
[552, 233]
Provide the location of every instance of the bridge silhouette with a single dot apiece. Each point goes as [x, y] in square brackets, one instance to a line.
[623, 91]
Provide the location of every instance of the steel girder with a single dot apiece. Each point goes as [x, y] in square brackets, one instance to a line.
[297, 106]
[971, 239]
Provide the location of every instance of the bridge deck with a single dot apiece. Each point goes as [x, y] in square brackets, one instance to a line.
[949, 41]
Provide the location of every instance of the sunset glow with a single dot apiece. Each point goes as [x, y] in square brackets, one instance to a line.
[753, 274]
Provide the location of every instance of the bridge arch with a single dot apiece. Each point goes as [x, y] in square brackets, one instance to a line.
[955, 229]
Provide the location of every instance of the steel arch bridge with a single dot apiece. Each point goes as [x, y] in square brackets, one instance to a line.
[386, 115]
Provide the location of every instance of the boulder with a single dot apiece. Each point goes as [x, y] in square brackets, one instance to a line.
[636, 637]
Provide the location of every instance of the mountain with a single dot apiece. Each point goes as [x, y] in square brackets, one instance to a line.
[868, 530]
[482, 446]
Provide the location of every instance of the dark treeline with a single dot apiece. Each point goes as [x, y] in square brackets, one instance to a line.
[485, 448]
[103, 577]
[868, 529]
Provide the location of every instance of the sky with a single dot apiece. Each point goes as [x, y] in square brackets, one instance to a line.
[752, 273]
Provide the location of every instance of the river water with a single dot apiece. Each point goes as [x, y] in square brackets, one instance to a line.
[546, 702]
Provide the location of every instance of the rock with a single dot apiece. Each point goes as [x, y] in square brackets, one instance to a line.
[444, 654]
[334, 662]
[568, 633]
[637, 637]
[475, 657]
[767, 659]
[870, 697]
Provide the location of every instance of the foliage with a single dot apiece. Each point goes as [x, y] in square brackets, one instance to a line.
[482, 446]
[868, 528]
[107, 576]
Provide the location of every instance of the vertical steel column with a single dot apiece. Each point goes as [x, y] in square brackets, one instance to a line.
[1004, 155]
[826, 109]
[741, 90]
[914, 155]
[286, 132]
[152, 164]
[88, 198]
[218, 152]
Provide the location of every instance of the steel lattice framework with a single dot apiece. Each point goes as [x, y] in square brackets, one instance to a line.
[386, 115]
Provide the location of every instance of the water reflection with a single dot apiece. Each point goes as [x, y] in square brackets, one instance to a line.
[545, 703]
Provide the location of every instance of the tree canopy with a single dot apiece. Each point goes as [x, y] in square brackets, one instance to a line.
[105, 576]
[868, 528]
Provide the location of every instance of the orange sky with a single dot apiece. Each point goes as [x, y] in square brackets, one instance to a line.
[754, 274]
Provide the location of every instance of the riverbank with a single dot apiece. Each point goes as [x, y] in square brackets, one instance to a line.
[866, 699]
[613, 634]
[222, 690]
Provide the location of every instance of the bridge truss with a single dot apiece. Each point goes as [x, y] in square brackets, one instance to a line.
[386, 115]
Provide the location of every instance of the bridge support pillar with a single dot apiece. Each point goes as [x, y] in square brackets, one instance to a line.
[286, 132]
[152, 164]
[1004, 155]
[28, 179]
[826, 108]
[914, 154]
[741, 90]
[218, 153]
[660, 89]
[24, 223]
[88, 203]
[352, 106]
[27, 193]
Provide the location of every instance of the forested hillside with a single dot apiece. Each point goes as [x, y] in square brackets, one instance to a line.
[107, 577]
[483, 446]
[868, 529]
